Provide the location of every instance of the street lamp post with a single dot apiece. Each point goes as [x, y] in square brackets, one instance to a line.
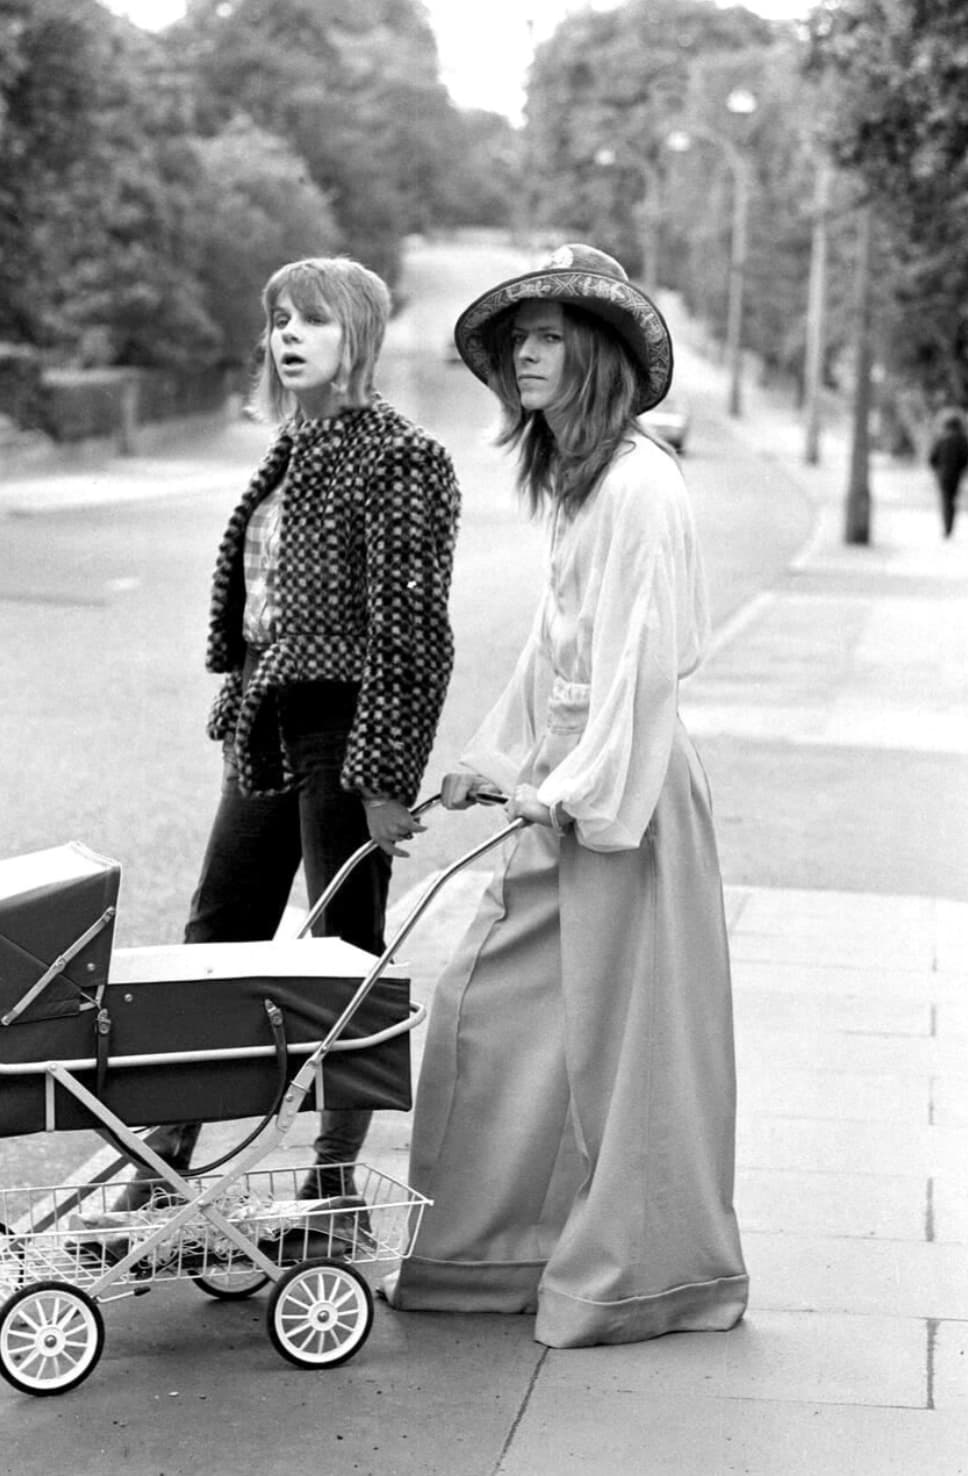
[857, 513]
[650, 211]
[742, 103]
[737, 281]
[816, 315]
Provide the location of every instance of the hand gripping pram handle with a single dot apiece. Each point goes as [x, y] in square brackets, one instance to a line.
[289, 1100]
[303, 1080]
[480, 797]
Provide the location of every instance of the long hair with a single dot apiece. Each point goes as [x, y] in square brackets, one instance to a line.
[594, 411]
[359, 301]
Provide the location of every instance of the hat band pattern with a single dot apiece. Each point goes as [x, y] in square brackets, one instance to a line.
[567, 284]
[579, 289]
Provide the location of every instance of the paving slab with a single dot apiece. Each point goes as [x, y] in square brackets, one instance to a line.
[769, 1140]
[949, 1209]
[832, 1012]
[693, 1436]
[949, 1384]
[797, 1357]
[818, 1202]
[838, 1095]
[936, 986]
[949, 1099]
[866, 1278]
[901, 1054]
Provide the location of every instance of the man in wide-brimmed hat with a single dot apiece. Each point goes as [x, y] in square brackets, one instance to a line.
[575, 1115]
[587, 279]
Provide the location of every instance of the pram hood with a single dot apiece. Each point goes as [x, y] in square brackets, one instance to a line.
[57, 913]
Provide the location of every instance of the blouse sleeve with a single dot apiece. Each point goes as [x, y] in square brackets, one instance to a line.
[645, 611]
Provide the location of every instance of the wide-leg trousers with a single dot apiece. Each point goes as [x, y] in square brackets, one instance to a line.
[575, 1113]
[254, 850]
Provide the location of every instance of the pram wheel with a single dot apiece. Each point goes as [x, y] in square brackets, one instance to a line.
[51, 1336]
[319, 1313]
[231, 1286]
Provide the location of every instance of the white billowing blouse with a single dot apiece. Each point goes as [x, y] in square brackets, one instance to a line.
[623, 617]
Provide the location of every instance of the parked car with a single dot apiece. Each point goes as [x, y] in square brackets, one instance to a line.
[669, 421]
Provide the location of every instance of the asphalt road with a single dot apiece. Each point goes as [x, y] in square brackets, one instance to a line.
[103, 613]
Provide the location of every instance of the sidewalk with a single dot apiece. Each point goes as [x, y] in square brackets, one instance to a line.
[852, 1043]
[852, 1040]
[198, 454]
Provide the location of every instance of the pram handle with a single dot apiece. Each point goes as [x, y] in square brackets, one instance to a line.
[480, 797]
[303, 1080]
[253, 1149]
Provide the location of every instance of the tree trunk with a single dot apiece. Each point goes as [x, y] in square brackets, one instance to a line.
[857, 523]
[816, 315]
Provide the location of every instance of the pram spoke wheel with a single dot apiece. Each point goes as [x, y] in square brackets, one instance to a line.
[231, 1285]
[319, 1313]
[51, 1336]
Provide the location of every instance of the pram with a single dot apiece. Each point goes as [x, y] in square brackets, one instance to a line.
[92, 1036]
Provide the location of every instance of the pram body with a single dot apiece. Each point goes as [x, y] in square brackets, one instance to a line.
[172, 1034]
[92, 1036]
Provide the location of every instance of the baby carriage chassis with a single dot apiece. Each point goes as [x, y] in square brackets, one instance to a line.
[63, 1252]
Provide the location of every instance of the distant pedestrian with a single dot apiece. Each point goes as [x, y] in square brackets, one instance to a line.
[575, 1113]
[949, 458]
[329, 619]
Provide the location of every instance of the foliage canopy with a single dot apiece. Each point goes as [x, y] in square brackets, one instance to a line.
[149, 184]
[899, 124]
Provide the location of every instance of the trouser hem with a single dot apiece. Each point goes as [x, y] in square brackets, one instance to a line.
[565, 1321]
[423, 1285]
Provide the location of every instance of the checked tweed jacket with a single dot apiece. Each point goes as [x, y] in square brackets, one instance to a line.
[366, 553]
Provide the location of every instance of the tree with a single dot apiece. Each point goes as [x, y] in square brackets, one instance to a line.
[606, 89]
[149, 184]
[481, 183]
[101, 199]
[48, 75]
[262, 211]
[783, 153]
[352, 85]
[899, 70]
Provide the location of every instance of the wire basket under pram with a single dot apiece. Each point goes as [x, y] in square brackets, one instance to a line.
[112, 1040]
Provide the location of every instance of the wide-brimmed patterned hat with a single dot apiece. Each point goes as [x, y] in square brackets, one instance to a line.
[586, 278]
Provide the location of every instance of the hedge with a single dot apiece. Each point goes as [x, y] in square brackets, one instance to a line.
[81, 404]
[21, 386]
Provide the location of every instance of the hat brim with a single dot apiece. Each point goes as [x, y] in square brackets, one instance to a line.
[623, 306]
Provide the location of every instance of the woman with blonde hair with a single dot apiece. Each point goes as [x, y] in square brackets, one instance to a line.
[329, 623]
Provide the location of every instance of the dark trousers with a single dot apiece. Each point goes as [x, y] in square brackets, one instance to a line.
[949, 503]
[254, 851]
